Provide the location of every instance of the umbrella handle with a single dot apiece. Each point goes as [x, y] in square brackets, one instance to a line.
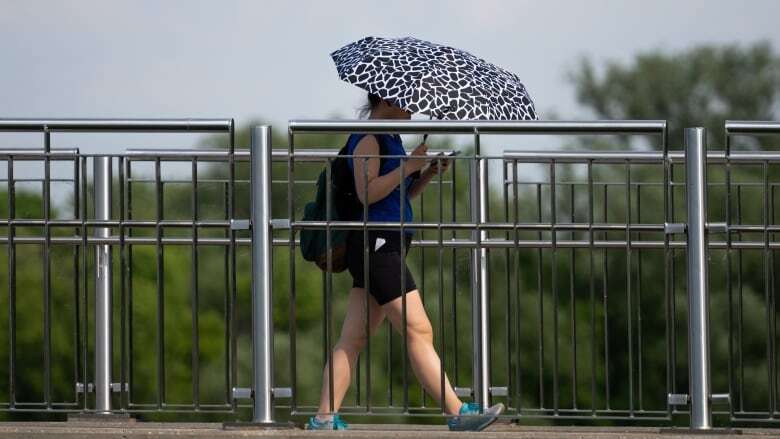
[425, 137]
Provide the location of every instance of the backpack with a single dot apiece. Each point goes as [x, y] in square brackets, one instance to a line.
[345, 206]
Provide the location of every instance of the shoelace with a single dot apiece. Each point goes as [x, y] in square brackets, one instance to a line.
[339, 423]
[469, 408]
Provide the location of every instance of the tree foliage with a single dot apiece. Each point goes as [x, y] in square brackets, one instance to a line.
[701, 86]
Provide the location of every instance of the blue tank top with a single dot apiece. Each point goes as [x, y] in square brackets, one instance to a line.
[388, 208]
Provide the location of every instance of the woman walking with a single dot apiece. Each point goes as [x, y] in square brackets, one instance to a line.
[386, 262]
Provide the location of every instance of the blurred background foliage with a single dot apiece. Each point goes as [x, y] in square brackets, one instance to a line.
[555, 314]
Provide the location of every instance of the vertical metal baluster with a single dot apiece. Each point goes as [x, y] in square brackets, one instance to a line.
[160, 287]
[329, 283]
[227, 302]
[11, 286]
[129, 249]
[232, 250]
[103, 287]
[639, 299]
[84, 267]
[76, 278]
[389, 367]
[673, 287]
[698, 307]
[768, 293]
[668, 298]
[554, 287]
[454, 275]
[604, 295]
[367, 283]
[573, 306]
[629, 301]
[508, 280]
[47, 269]
[540, 289]
[516, 266]
[421, 289]
[262, 275]
[740, 307]
[291, 256]
[772, 306]
[442, 338]
[403, 287]
[591, 290]
[195, 291]
[480, 278]
[123, 310]
[729, 283]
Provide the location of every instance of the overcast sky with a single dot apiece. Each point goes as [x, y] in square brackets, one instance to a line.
[270, 59]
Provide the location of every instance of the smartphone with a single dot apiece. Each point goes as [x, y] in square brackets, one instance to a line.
[449, 154]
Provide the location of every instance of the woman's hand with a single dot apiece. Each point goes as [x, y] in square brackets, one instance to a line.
[417, 159]
[438, 166]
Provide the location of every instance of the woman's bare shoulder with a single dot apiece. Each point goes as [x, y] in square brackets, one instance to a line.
[367, 145]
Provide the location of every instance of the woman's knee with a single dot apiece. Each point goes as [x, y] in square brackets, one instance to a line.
[420, 329]
[352, 343]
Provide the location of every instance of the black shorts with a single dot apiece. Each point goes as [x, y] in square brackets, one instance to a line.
[384, 266]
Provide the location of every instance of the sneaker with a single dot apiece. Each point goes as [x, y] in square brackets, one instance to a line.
[469, 418]
[335, 423]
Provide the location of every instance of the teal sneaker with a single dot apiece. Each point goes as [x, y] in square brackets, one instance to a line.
[469, 418]
[335, 423]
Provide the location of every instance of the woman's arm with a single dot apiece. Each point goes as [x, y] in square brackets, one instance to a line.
[380, 186]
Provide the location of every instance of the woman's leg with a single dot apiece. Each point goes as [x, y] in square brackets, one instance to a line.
[352, 340]
[425, 361]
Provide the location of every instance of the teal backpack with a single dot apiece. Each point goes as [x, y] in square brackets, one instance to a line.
[345, 206]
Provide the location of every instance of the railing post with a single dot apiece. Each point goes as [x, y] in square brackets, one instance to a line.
[102, 186]
[698, 303]
[262, 323]
[480, 280]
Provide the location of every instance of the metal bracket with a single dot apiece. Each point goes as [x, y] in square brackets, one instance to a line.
[464, 392]
[118, 387]
[717, 227]
[236, 224]
[720, 398]
[242, 393]
[499, 391]
[280, 224]
[677, 399]
[281, 392]
[248, 393]
[80, 388]
[674, 228]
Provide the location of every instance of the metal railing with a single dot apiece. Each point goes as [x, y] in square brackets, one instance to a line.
[481, 243]
[562, 272]
[111, 231]
[749, 225]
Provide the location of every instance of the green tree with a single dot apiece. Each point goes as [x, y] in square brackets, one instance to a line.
[702, 86]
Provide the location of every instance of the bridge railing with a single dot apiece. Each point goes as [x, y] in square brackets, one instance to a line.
[497, 244]
[555, 280]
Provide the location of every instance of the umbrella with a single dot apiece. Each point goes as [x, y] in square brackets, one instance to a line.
[440, 81]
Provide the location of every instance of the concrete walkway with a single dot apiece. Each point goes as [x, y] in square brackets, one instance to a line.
[133, 430]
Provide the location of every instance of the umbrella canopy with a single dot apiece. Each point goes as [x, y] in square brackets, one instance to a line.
[440, 81]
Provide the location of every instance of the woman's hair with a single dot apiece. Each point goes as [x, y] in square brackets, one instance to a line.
[372, 102]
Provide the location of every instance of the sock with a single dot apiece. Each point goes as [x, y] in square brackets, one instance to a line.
[324, 418]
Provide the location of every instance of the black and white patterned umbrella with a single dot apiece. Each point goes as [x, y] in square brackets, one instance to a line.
[432, 79]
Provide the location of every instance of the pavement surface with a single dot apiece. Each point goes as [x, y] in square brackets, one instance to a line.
[133, 430]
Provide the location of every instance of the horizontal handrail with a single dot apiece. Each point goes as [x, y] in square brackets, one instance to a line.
[120, 125]
[480, 127]
[752, 127]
